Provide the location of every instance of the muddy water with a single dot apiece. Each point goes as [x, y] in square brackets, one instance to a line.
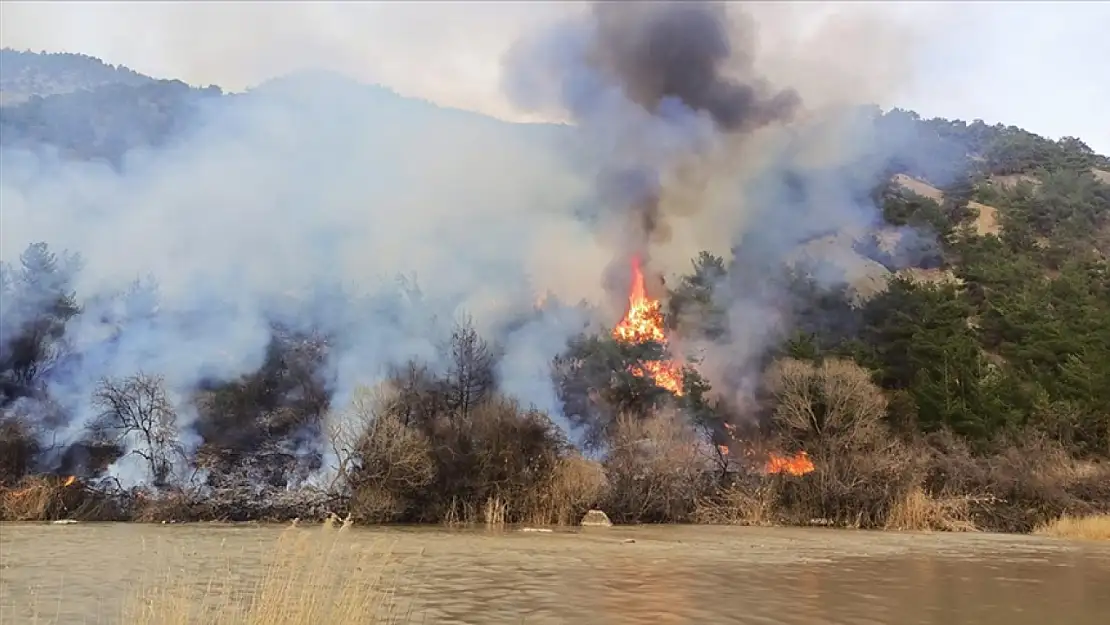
[659, 575]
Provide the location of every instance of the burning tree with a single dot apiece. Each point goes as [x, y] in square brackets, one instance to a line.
[629, 372]
[643, 323]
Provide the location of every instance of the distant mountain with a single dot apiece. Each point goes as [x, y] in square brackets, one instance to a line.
[936, 175]
[27, 74]
[89, 110]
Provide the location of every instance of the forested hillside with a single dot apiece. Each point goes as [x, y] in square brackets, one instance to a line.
[24, 75]
[970, 379]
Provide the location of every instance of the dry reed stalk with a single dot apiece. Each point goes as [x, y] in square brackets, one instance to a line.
[918, 511]
[738, 506]
[496, 511]
[1093, 527]
[31, 500]
[315, 575]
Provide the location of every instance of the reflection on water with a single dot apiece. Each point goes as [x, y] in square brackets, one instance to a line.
[658, 575]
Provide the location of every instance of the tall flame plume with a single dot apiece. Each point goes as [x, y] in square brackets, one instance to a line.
[643, 322]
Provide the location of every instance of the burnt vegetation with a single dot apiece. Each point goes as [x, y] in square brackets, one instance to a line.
[978, 401]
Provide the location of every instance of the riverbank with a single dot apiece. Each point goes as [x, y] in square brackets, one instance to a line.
[656, 471]
[51, 500]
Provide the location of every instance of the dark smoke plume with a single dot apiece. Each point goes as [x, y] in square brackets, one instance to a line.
[654, 87]
[679, 50]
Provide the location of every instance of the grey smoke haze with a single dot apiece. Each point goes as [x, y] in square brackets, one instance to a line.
[278, 199]
[278, 196]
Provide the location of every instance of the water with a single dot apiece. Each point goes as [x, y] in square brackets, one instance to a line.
[83, 573]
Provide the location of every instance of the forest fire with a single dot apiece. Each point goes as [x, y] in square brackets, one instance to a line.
[69, 481]
[798, 464]
[643, 322]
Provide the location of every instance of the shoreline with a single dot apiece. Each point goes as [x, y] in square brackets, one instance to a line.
[479, 528]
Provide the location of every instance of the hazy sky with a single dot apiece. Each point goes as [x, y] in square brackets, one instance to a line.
[1041, 66]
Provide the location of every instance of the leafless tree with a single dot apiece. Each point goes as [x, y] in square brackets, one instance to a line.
[833, 403]
[470, 378]
[657, 468]
[139, 406]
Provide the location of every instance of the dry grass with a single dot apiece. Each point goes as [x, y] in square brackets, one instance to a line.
[739, 505]
[918, 511]
[575, 485]
[987, 221]
[1094, 527]
[1011, 181]
[923, 189]
[33, 499]
[313, 576]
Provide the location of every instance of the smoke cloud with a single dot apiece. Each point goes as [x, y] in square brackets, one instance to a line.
[654, 84]
[304, 200]
[697, 149]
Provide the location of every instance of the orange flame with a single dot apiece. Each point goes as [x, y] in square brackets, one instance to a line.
[69, 481]
[799, 464]
[643, 322]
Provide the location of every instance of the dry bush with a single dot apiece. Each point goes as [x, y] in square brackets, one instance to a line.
[1094, 527]
[420, 450]
[496, 452]
[41, 498]
[1027, 481]
[917, 510]
[752, 501]
[32, 499]
[658, 467]
[1036, 480]
[18, 448]
[834, 412]
[388, 462]
[174, 505]
[832, 406]
[575, 486]
[313, 576]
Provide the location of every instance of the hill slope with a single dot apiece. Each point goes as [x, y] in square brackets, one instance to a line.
[928, 320]
[26, 74]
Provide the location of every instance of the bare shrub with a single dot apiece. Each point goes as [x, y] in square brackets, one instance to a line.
[572, 488]
[138, 406]
[832, 406]
[750, 501]
[18, 448]
[31, 500]
[1034, 480]
[834, 412]
[389, 462]
[496, 452]
[657, 468]
[175, 505]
